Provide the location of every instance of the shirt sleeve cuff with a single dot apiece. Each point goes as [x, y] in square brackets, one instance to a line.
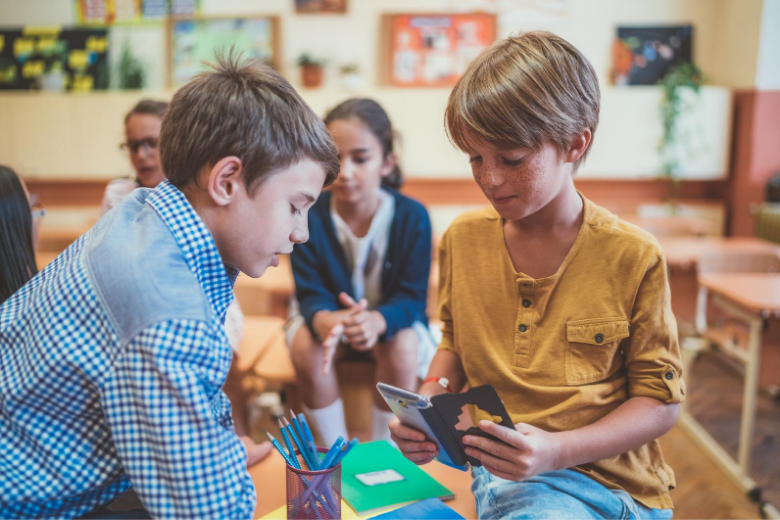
[662, 383]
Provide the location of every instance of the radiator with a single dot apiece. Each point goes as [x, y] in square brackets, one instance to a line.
[768, 222]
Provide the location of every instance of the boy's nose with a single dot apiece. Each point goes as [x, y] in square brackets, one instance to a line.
[490, 177]
[300, 236]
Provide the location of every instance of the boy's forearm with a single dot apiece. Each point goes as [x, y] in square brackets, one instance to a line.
[631, 425]
[444, 364]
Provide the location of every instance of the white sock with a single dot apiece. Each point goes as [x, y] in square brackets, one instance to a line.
[381, 420]
[329, 422]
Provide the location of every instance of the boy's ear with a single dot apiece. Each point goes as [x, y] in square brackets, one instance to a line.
[578, 146]
[224, 180]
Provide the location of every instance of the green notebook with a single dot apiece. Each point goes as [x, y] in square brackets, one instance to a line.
[375, 475]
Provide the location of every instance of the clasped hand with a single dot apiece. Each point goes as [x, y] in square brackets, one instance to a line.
[356, 326]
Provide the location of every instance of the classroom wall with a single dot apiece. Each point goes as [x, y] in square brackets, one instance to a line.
[64, 136]
[725, 34]
[768, 76]
[79, 133]
[757, 132]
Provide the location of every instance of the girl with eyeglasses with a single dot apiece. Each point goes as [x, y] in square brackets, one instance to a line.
[142, 136]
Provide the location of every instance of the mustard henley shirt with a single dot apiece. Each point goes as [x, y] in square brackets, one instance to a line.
[566, 350]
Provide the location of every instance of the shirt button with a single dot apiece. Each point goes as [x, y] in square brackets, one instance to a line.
[523, 327]
[599, 337]
[526, 303]
[669, 375]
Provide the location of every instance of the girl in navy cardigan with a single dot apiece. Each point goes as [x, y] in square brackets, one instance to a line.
[361, 281]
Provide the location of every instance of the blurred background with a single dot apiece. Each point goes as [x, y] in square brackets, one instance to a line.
[688, 147]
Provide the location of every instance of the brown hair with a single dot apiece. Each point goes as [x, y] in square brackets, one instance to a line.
[376, 119]
[244, 109]
[523, 92]
[148, 106]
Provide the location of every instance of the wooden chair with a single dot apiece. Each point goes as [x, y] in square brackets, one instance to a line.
[263, 356]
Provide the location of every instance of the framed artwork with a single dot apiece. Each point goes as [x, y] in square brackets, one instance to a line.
[643, 55]
[52, 58]
[321, 6]
[110, 12]
[194, 41]
[433, 50]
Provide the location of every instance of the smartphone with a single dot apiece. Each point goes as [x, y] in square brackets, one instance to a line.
[406, 406]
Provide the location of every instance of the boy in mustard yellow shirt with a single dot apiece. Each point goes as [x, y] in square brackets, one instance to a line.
[556, 302]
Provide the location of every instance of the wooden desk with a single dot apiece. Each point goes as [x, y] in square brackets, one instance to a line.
[270, 483]
[751, 298]
[682, 255]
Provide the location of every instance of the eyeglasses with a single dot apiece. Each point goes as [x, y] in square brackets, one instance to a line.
[132, 147]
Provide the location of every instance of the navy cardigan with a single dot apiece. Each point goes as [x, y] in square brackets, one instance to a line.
[321, 273]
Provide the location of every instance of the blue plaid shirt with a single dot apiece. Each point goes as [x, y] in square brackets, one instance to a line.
[112, 361]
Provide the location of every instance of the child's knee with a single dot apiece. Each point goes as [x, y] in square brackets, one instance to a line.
[302, 350]
[402, 347]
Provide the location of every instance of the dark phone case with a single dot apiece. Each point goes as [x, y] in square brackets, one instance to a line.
[448, 410]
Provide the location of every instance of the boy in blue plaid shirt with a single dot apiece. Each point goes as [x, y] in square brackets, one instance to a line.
[112, 359]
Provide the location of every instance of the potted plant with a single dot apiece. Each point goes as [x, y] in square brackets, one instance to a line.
[130, 73]
[681, 86]
[350, 77]
[311, 70]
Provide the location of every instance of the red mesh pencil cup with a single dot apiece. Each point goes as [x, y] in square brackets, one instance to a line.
[314, 494]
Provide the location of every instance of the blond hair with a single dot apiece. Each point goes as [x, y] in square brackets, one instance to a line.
[523, 92]
[243, 109]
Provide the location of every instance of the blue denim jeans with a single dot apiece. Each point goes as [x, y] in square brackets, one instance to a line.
[558, 494]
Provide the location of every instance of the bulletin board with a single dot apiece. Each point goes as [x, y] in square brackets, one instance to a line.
[110, 12]
[71, 59]
[195, 40]
[432, 50]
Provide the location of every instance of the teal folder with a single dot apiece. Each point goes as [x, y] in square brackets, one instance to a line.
[375, 476]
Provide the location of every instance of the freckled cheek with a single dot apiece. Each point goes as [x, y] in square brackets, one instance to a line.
[540, 178]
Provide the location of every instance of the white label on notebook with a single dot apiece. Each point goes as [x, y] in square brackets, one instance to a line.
[380, 477]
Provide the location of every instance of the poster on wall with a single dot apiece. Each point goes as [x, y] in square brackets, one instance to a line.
[53, 59]
[110, 12]
[196, 41]
[643, 55]
[320, 6]
[434, 50]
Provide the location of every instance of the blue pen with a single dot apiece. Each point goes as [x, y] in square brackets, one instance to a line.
[304, 447]
[287, 441]
[304, 453]
[287, 459]
[333, 452]
[345, 451]
[309, 440]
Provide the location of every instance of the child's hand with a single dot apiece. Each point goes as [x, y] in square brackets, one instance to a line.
[362, 328]
[324, 321]
[255, 452]
[329, 346]
[531, 451]
[412, 443]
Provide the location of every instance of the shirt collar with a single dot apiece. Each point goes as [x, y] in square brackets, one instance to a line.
[196, 244]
